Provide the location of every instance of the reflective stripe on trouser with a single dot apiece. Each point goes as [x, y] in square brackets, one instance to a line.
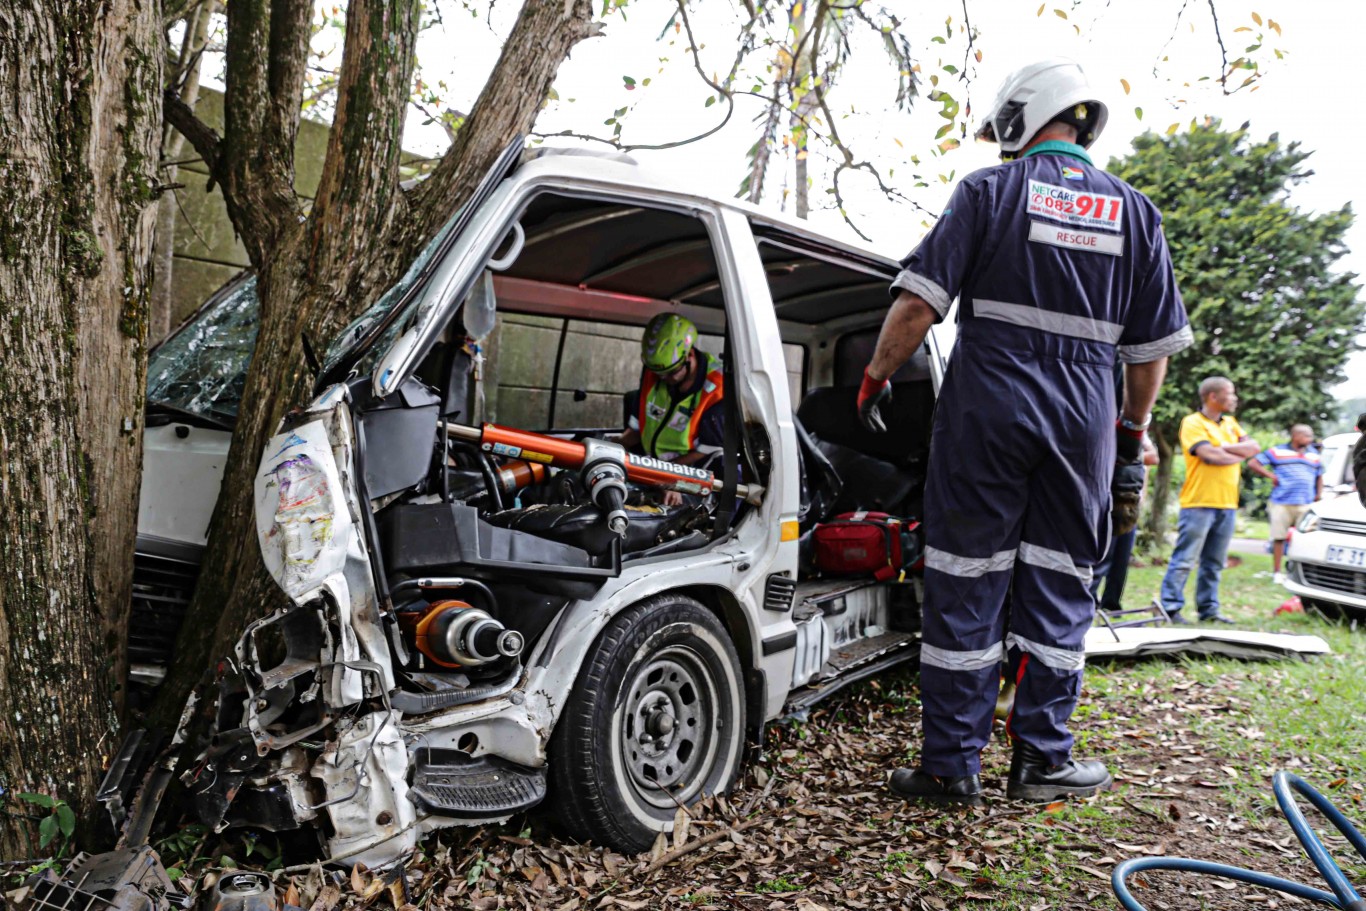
[1015, 503]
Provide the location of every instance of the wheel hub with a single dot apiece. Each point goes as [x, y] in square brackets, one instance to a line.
[668, 735]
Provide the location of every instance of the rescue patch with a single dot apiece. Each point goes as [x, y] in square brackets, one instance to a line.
[1090, 241]
[1075, 206]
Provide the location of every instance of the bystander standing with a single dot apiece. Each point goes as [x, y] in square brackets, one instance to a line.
[1296, 472]
[1215, 447]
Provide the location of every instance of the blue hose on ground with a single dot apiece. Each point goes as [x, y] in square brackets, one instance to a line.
[1343, 896]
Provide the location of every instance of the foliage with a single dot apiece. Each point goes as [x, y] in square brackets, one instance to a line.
[1257, 275]
[56, 829]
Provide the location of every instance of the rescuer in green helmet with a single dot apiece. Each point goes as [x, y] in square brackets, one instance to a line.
[671, 416]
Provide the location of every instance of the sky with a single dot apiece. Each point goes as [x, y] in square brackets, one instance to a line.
[1303, 96]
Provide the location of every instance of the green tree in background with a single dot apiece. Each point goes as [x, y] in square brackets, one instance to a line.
[1267, 309]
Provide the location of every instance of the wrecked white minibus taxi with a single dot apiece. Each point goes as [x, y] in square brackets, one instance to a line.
[491, 606]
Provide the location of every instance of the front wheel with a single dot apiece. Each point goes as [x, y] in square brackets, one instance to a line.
[655, 720]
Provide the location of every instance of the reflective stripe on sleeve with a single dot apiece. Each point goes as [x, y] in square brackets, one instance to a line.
[1179, 340]
[1082, 327]
[962, 661]
[968, 567]
[919, 285]
[1060, 659]
[1056, 560]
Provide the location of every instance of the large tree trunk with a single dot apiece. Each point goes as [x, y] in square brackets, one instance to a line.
[361, 234]
[79, 127]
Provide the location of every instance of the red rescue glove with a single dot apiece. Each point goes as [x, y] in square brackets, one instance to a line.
[871, 394]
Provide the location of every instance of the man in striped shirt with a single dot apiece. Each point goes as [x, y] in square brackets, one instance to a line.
[1296, 472]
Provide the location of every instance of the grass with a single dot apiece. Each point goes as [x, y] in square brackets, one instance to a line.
[1256, 529]
[1309, 708]
[1220, 727]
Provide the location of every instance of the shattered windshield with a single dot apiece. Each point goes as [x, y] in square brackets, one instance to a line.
[202, 368]
[357, 335]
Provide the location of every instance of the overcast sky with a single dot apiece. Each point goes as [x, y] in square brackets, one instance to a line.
[1301, 96]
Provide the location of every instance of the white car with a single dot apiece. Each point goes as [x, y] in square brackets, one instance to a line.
[1337, 465]
[1327, 556]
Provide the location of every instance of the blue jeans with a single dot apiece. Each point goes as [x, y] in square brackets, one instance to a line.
[1202, 534]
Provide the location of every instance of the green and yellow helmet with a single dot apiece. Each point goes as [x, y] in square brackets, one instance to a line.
[668, 339]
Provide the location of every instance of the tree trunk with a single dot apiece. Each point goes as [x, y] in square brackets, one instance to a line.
[172, 143]
[1163, 436]
[79, 129]
[358, 239]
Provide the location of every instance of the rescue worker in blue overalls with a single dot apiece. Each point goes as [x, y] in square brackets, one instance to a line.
[1059, 270]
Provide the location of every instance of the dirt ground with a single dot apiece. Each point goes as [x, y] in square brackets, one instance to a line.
[812, 827]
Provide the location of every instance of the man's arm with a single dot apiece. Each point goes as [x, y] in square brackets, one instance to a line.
[1258, 468]
[1229, 454]
[1141, 384]
[903, 331]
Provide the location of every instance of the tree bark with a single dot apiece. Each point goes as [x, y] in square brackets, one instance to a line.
[172, 143]
[79, 130]
[1164, 435]
[317, 272]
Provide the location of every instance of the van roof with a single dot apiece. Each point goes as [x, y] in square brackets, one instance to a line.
[624, 171]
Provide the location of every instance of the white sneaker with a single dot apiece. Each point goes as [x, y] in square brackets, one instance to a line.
[1278, 578]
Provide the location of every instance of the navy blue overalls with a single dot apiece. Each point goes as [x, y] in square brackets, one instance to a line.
[1059, 269]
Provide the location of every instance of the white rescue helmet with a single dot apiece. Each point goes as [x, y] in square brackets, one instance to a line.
[1038, 94]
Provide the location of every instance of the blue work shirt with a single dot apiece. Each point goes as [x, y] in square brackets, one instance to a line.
[1297, 473]
[1052, 247]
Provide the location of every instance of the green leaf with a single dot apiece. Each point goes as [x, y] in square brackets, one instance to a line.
[939, 39]
[41, 800]
[66, 820]
[1138, 112]
[711, 100]
[47, 830]
[950, 68]
[628, 80]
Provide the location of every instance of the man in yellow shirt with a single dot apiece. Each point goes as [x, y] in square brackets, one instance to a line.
[1215, 447]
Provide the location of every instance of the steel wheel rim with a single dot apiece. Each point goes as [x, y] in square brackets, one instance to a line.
[668, 734]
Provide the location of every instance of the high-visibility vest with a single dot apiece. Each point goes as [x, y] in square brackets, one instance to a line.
[668, 428]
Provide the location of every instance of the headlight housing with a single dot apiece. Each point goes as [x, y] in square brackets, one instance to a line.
[1310, 522]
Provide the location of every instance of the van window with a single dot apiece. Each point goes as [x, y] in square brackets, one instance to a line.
[572, 308]
[854, 350]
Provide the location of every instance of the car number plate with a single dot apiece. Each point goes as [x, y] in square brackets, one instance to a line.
[1346, 556]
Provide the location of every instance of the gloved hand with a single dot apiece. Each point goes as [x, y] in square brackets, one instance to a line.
[871, 394]
[1128, 445]
[1126, 490]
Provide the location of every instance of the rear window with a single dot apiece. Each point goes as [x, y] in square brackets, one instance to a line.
[854, 350]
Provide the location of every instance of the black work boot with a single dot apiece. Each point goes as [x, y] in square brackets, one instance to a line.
[1032, 778]
[917, 784]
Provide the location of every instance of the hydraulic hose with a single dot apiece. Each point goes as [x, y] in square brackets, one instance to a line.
[1343, 896]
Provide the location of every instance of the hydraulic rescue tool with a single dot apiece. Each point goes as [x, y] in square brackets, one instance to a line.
[606, 466]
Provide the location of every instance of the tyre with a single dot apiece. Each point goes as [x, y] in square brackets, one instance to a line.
[656, 719]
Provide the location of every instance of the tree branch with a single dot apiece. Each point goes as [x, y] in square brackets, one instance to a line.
[205, 141]
[257, 183]
[506, 109]
[290, 30]
[1223, 52]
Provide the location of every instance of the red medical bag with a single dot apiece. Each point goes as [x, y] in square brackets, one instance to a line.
[866, 542]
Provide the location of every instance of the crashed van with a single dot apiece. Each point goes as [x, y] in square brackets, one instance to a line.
[491, 608]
